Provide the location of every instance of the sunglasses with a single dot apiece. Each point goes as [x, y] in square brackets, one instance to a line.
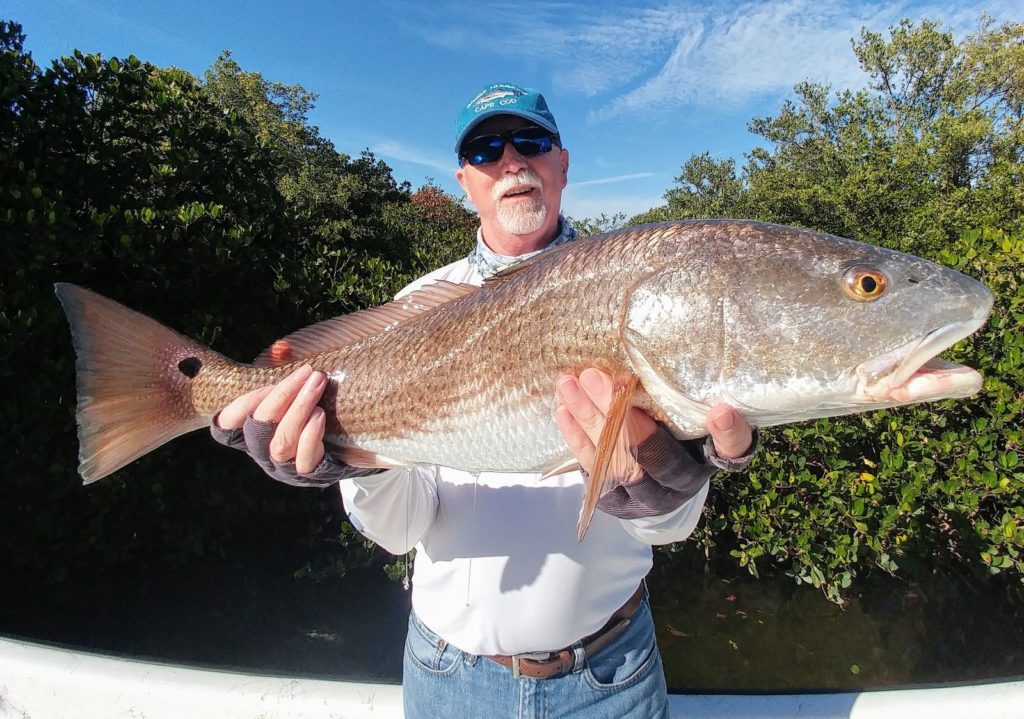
[528, 141]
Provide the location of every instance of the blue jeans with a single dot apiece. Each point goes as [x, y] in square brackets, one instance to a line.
[624, 680]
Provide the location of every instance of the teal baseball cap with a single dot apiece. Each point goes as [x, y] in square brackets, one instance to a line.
[503, 98]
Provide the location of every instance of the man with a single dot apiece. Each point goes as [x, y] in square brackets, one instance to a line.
[511, 615]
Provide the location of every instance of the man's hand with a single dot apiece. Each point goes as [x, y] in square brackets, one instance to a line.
[291, 405]
[730, 431]
[583, 403]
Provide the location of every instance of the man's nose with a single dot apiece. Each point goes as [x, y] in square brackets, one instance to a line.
[511, 160]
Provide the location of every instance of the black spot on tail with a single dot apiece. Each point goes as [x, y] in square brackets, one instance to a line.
[190, 366]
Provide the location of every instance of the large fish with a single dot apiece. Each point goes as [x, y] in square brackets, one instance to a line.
[784, 324]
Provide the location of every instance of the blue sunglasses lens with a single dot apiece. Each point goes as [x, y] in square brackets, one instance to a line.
[528, 141]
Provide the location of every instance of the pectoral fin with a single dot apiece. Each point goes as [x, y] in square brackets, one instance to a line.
[615, 462]
[569, 465]
[364, 459]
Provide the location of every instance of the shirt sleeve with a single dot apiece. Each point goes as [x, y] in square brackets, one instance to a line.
[394, 508]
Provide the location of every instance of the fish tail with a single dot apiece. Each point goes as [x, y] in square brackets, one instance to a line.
[134, 381]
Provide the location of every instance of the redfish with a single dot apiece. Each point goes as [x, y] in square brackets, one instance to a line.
[784, 324]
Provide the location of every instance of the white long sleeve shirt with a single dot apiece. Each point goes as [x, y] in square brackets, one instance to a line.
[498, 569]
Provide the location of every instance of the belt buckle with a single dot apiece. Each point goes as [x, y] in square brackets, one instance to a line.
[529, 656]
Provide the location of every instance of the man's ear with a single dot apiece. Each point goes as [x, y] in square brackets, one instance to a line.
[565, 167]
[460, 175]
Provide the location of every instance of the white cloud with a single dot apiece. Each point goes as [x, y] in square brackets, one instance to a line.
[757, 49]
[397, 150]
[610, 180]
[588, 49]
[765, 48]
[641, 59]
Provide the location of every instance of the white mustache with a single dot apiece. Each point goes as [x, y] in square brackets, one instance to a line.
[524, 177]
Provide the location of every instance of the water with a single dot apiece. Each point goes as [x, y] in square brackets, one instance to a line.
[718, 630]
[726, 631]
[251, 616]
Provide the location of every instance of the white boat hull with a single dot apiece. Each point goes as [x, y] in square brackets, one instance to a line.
[45, 682]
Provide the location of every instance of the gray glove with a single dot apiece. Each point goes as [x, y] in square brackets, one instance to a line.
[674, 472]
[254, 439]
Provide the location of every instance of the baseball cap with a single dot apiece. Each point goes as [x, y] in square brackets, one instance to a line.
[503, 98]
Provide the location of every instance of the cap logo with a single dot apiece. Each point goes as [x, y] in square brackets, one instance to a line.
[493, 95]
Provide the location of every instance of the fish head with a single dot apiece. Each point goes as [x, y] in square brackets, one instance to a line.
[788, 325]
[936, 307]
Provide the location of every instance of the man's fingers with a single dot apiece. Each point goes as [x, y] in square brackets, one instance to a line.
[598, 387]
[284, 445]
[272, 408]
[730, 432]
[310, 450]
[576, 438]
[233, 416]
[575, 398]
[580, 415]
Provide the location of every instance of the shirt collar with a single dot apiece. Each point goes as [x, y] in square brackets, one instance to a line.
[488, 262]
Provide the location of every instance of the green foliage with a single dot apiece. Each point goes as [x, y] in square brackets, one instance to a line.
[931, 148]
[707, 188]
[590, 226]
[125, 178]
[212, 207]
[354, 227]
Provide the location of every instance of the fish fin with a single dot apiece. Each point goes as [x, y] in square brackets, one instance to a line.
[134, 386]
[280, 353]
[524, 265]
[364, 459]
[569, 465]
[614, 463]
[338, 332]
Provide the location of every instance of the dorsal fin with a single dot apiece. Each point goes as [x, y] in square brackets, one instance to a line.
[518, 267]
[348, 329]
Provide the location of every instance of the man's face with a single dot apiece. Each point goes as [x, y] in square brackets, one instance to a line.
[518, 198]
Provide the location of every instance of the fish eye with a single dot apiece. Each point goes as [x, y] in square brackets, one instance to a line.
[865, 284]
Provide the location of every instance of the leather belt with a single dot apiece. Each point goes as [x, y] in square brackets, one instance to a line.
[547, 665]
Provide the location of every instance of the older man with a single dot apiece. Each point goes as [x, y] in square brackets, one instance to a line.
[511, 615]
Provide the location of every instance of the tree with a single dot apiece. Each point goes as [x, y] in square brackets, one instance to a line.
[125, 178]
[932, 146]
[589, 226]
[707, 188]
[928, 150]
[336, 202]
[213, 207]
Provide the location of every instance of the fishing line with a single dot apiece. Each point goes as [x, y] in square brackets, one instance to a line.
[408, 549]
[469, 568]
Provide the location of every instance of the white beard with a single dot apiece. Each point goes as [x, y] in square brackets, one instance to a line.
[522, 218]
[519, 217]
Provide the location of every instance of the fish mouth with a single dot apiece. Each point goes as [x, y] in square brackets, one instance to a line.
[914, 372]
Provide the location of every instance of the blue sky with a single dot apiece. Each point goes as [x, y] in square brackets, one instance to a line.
[636, 87]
